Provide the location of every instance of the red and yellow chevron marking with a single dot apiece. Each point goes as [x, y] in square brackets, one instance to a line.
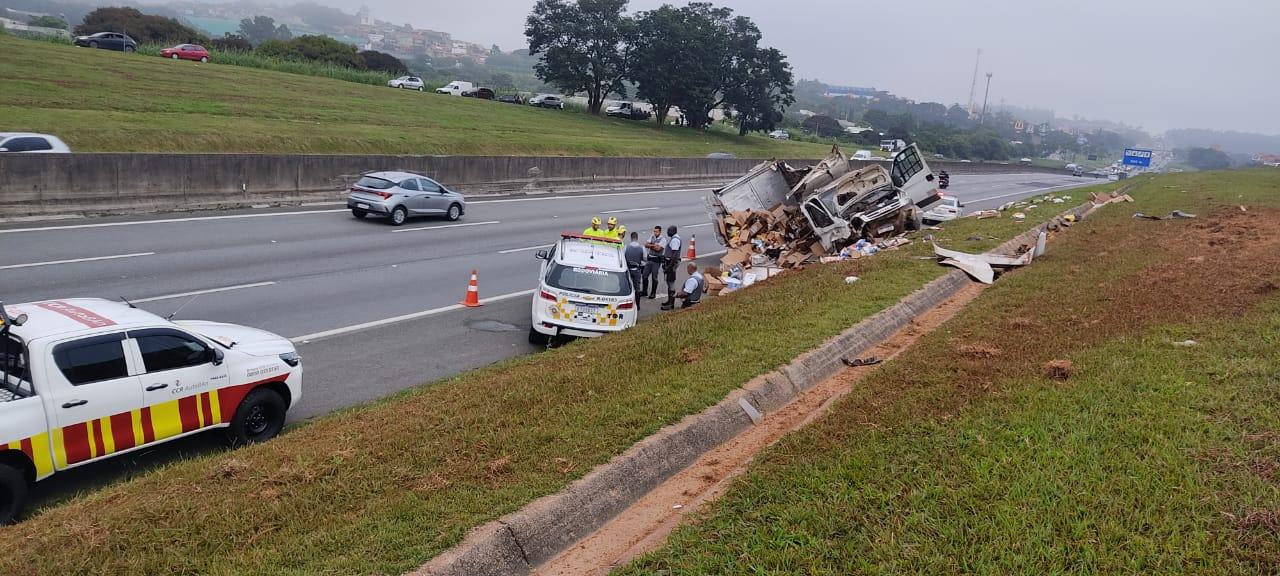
[37, 449]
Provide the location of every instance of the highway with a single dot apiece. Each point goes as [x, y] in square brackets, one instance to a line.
[372, 307]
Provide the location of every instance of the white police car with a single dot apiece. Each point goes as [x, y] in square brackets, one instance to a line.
[584, 290]
[86, 379]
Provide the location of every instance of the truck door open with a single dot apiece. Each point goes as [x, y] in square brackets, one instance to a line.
[912, 176]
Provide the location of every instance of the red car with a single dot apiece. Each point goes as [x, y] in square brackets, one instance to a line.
[186, 52]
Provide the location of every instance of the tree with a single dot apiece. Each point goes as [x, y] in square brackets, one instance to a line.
[263, 28]
[824, 126]
[314, 48]
[48, 22]
[1207, 159]
[231, 43]
[382, 62]
[502, 81]
[141, 27]
[582, 46]
[767, 91]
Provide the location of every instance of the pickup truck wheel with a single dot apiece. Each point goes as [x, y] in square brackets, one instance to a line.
[13, 493]
[259, 418]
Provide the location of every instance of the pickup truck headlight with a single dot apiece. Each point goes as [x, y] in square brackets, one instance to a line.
[291, 358]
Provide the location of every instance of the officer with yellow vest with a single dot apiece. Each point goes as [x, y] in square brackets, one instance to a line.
[594, 229]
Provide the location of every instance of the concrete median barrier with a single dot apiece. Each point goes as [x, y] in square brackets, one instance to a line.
[102, 183]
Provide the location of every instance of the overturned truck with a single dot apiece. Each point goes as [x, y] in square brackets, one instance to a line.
[791, 214]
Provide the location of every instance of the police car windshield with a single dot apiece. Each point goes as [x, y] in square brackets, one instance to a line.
[588, 281]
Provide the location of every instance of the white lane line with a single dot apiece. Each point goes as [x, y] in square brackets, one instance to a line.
[715, 253]
[198, 292]
[446, 226]
[525, 248]
[167, 221]
[630, 210]
[395, 319]
[1022, 193]
[696, 225]
[576, 196]
[74, 260]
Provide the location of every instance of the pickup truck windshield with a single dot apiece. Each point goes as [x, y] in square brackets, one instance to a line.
[588, 281]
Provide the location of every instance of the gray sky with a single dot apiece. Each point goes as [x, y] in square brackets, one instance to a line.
[1157, 64]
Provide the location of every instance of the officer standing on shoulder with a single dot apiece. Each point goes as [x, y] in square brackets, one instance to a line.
[635, 265]
[612, 231]
[653, 248]
[671, 259]
[694, 286]
[594, 230]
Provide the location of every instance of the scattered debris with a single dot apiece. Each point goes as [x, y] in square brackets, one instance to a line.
[1019, 216]
[981, 266]
[1059, 369]
[856, 362]
[677, 506]
[1176, 214]
[984, 214]
[1243, 209]
[1186, 343]
[850, 279]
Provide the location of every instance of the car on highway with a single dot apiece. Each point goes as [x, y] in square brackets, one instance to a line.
[862, 155]
[510, 99]
[948, 208]
[194, 52]
[628, 111]
[407, 83]
[403, 195]
[108, 41]
[780, 135]
[547, 101]
[481, 93]
[85, 379]
[32, 143]
[584, 290]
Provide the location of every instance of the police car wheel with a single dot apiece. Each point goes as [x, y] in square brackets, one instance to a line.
[399, 215]
[13, 493]
[259, 418]
[455, 212]
[537, 338]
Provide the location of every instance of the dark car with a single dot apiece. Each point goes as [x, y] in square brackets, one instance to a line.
[482, 93]
[108, 41]
[511, 99]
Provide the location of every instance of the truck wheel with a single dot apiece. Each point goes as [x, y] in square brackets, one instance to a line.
[914, 220]
[13, 493]
[259, 418]
[455, 212]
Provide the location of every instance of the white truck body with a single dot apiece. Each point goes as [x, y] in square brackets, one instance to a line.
[456, 88]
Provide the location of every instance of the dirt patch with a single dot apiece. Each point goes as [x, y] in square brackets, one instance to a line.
[1059, 369]
[645, 525]
[978, 351]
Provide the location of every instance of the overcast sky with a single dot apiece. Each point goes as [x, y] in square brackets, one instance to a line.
[1156, 64]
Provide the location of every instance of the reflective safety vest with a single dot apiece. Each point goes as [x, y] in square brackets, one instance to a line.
[596, 232]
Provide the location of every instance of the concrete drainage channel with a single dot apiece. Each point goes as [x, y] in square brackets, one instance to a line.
[522, 542]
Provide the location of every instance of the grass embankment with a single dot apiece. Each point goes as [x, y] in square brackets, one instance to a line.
[102, 101]
[385, 487]
[963, 456]
[250, 59]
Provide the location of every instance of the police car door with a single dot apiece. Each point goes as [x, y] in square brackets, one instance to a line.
[182, 375]
[95, 394]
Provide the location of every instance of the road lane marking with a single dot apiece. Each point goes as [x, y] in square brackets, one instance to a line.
[576, 196]
[630, 210]
[446, 226]
[1023, 193]
[525, 248]
[74, 260]
[199, 292]
[397, 319]
[166, 221]
[696, 225]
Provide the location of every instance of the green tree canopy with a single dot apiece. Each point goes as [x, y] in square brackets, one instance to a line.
[139, 26]
[259, 29]
[582, 45]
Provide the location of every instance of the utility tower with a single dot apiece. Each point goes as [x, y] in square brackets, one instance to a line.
[983, 118]
[973, 86]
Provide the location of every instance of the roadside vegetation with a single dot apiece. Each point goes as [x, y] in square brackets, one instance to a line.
[1110, 409]
[103, 101]
[384, 487]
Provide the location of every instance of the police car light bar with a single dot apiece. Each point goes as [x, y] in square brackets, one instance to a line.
[595, 238]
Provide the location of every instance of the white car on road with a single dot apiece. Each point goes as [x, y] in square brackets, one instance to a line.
[948, 208]
[407, 83]
[82, 380]
[583, 291]
[30, 142]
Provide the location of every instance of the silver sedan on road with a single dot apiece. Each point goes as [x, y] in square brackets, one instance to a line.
[401, 195]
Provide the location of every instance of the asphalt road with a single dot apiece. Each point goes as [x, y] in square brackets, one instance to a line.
[372, 307]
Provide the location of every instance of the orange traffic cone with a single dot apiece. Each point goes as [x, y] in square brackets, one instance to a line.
[473, 293]
[693, 251]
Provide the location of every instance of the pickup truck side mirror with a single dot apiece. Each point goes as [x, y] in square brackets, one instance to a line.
[541, 254]
[217, 356]
[929, 177]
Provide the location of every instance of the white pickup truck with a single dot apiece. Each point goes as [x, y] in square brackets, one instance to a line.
[86, 379]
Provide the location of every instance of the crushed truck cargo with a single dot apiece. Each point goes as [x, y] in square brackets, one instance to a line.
[788, 216]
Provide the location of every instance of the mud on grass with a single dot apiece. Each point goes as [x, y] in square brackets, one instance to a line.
[1147, 458]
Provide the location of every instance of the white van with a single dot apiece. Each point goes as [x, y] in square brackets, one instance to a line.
[862, 155]
[456, 88]
[584, 290]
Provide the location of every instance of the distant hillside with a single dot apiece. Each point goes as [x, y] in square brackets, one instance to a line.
[1230, 141]
[99, 100]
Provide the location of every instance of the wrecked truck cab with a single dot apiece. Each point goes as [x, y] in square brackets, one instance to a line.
[872, 202]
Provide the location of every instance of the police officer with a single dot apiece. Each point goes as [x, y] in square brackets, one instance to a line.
[671, 259]
[653, 262]
[594, 230]
[635, 265]
[694, 286]
[612, 231]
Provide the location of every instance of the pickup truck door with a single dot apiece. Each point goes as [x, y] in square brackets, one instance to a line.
[94, 397]
[911, 175]
[181, 377]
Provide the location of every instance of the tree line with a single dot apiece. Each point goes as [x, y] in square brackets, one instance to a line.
[259, 34]
[696, 58]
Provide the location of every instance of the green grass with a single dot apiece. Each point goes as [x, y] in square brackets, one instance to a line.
[385, 487]
[1151, 459]
[102, 101]
[277, 64]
